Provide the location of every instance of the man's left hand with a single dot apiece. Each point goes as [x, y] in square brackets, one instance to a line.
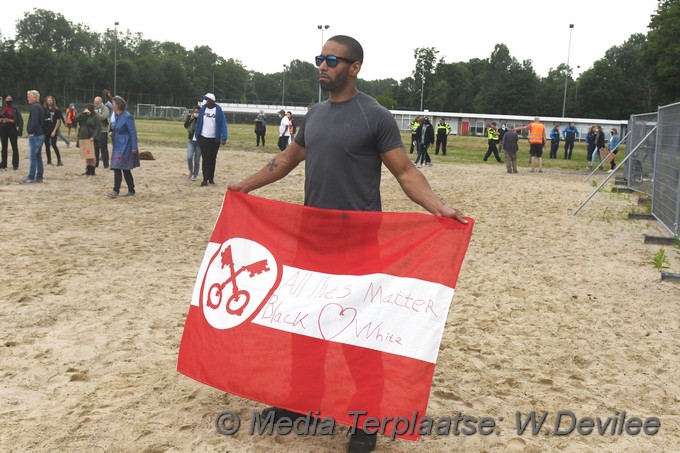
[454, 213]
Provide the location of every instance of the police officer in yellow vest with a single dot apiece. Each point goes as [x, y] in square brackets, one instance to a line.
[443, 131]
[414, 139]
[492, 135]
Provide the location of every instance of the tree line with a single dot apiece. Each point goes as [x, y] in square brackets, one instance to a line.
[74, 63]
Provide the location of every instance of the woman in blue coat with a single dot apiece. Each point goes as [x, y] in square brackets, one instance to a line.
[125, 154]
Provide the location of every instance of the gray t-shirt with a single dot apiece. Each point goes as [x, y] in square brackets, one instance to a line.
[343, 143]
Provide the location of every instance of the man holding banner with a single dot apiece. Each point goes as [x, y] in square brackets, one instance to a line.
[344, 142]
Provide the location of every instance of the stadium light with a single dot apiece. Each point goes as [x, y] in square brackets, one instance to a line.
[566, 76]
[283, 88]
[115, 57]
[322, 28]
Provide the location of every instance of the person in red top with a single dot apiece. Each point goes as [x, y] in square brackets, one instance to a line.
[71, 123]
[536, 142]
[11, 127]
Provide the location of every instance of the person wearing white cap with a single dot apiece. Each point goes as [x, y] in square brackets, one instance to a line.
[284, 130]
[211, 132]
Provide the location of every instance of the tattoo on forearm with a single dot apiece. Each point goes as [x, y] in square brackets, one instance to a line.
[272, 164]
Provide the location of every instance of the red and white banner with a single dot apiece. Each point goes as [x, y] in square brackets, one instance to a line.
[323, 310]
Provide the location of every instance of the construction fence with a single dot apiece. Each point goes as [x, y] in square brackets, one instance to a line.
[654, 166]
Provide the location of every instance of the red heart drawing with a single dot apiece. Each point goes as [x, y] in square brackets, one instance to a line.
[331, 322]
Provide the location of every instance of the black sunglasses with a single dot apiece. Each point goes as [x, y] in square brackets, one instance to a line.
[331, 60]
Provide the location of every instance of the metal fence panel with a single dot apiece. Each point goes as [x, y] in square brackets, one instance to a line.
[640, 167]
[666, 187]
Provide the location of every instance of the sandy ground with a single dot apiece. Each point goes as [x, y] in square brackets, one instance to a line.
[552, 312]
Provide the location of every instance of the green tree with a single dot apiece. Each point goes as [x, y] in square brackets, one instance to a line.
[426, 61]
[663, 53]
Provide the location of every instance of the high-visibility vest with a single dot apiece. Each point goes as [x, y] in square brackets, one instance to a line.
[71, 116]
[492, 134]
[536, 133]
[414, 126]
[444, 126]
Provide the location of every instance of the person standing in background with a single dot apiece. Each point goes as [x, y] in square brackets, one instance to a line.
[554, 141]
[211, 131]
[260, 127]
[443, 131]
[102, 149]
[125, 155]
[292, 127]
[425, 134]
[536, 142]
[493, 139]
[35, 128]
[614, 141]
[89, 129]
[597, 144]
[71, 123]
[11, 127]
[414, 138]
[284, 130]
[569, 133]
[53, 120]
[193, 150]
[510, 147]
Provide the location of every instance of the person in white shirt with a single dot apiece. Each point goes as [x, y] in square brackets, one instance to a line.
[211, 132]
[284, 130]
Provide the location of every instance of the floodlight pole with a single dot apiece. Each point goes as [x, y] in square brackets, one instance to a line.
[566, 75]
[115, 57]
[283, 89]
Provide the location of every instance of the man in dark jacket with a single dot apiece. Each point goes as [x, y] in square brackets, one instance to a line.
[11, 127]
[425, 137]
[36, 138]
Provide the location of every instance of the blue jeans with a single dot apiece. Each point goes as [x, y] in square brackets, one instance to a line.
[35, 143]
[193, 157]
[596, 153]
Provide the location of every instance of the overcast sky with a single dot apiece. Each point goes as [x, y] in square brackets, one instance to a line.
[264, 35]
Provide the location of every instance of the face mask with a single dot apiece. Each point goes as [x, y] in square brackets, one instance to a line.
[9, 103]
[50, 103]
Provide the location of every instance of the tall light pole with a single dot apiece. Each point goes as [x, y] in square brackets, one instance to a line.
[283, 88]
[422, 89]
[566, 76]
[322, 28]
[115, 57]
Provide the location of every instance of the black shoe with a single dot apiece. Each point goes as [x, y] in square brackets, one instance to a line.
[211, 182]
[59, 163]
[204, 183]
[361, 442]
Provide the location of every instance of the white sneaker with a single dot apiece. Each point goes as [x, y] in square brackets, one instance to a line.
[193, 177]
[419, 166]
[429, 164]
[610, 171]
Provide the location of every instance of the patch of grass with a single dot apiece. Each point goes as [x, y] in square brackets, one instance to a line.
[171, 134]
[660, 260]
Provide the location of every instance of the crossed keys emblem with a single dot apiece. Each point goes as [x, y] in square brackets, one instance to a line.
[238, 296]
